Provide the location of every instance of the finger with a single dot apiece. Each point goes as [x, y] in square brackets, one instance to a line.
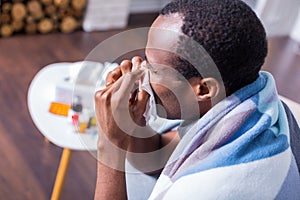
[133, 97]
[141, 101]
[144, 64]
[113, 76]
[110, 89]
[103, 96]
[129, 83]
[136, 62]
[139, 107]
[125, 66]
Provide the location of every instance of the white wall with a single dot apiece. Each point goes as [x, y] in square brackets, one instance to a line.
[278, 16]
[144, 6]
[251, 3]
[296, 30]
[105, 15]
[113, 14]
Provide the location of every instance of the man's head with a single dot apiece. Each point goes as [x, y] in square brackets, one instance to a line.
[228, 30]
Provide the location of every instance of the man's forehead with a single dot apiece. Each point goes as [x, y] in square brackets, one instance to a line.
[158, 58]
[164, 32]
[172, 22]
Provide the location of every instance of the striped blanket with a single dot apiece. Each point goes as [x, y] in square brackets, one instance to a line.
[238, 150]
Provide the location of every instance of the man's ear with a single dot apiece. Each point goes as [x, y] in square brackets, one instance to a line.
[206, 88]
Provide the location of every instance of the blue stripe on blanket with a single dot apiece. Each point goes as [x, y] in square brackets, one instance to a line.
[263, 134]
[263, 146]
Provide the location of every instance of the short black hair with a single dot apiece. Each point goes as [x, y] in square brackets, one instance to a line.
[231, 34]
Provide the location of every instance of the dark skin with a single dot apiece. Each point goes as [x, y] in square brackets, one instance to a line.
[129, 143]
[140, 98]
[120, 108]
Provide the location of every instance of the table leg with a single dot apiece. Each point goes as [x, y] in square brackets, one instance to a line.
[46, 140]
[61, 173]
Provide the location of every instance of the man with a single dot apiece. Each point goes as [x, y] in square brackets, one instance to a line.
[234, 139]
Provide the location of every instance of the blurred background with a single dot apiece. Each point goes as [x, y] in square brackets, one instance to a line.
[36, 33]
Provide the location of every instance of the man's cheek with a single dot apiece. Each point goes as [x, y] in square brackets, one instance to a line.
[161, 111]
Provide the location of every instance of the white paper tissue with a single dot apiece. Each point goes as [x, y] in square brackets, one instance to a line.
[157, 123]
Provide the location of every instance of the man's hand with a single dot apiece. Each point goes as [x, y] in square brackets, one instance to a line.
[119, 111]
[120, 106]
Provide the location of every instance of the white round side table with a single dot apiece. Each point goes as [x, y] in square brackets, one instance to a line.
[56, 128]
